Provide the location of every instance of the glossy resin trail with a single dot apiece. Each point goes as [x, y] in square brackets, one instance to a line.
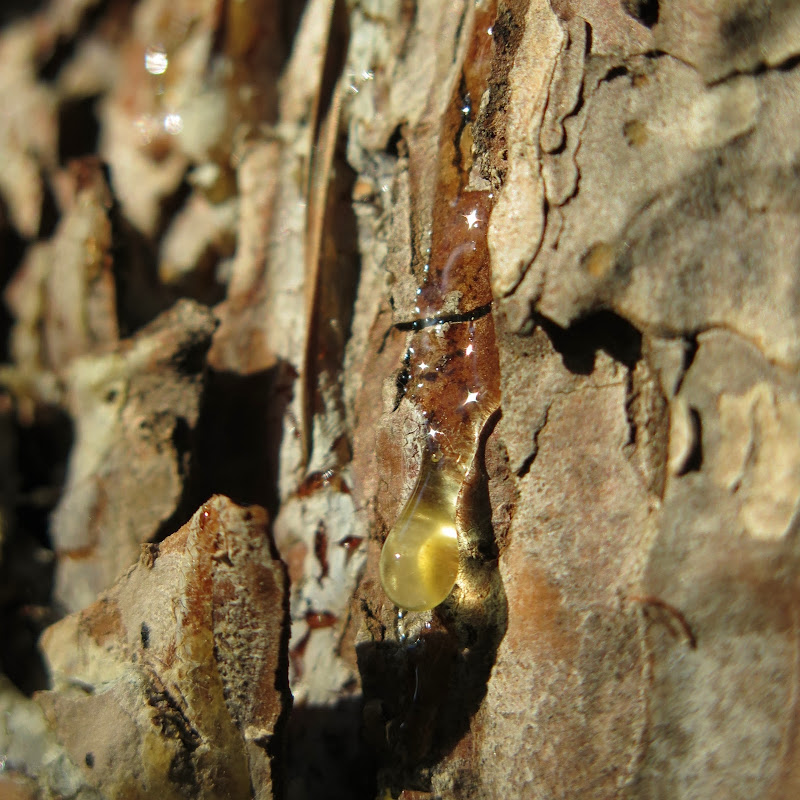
[453, 382]
[452, 375]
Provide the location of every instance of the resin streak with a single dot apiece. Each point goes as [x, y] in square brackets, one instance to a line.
[453, 382]
[453, 373]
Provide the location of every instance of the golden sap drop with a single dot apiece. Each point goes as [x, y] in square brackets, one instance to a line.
[419, 560]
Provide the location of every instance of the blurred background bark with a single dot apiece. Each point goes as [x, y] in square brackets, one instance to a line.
[227, 230]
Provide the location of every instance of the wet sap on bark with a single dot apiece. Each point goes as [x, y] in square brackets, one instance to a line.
[419, 561]
[452, 377]
[452, 382]
[423, 685]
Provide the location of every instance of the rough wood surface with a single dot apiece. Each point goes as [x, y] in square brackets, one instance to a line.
[625, 621]
[167, 683]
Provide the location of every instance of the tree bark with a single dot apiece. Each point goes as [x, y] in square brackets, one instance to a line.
[548, 247]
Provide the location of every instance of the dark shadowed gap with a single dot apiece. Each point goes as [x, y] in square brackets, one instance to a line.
[140, 295]
[694, 462]
[601, 331]
[327, 756]
[645, 11]
[36, 453]
[78, 128]
[237, 440]
[12, 248]
[12, 10]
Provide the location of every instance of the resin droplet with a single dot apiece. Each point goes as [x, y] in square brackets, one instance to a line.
[419, 560]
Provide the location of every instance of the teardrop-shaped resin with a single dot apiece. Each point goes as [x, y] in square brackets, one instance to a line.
[419, 560]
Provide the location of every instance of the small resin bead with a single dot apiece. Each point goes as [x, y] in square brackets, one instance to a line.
[419, 560]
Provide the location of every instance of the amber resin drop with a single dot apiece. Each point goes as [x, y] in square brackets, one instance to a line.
[419, 560]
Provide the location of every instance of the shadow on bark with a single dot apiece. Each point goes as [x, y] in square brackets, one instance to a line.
[239, 436]
[601, 331]
[37, 454]
[327, 754]
[421, 694]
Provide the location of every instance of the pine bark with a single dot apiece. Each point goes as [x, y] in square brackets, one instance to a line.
[625, 618]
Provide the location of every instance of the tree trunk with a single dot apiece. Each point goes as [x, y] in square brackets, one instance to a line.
[523, 272]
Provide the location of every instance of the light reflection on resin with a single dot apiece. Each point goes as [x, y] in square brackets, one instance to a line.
[173, 123]
[156, 60]
[472, 219]
[419, 560]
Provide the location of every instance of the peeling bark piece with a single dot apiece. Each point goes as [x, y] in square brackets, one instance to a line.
[173, 682]
[28, 128]
[91, 72]
[574, 548]
[720, 37]
[25, 298]
[64, 297]
[518, 219]
[140, 183]
[134, 410]
[750, 428]
[565, 87]
[683, 436]
[558, 144]
[759, 457]
[80, 315]
[200, 235]
[241, 343]
[677, 244]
